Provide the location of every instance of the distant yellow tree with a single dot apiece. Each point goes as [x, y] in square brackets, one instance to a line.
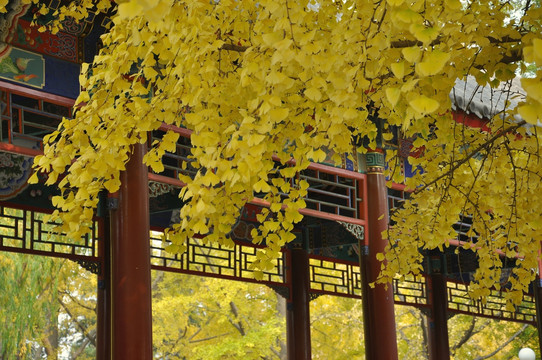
[253, 79]
[211, 319]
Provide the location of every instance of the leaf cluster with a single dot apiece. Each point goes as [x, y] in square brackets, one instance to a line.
[294, 80]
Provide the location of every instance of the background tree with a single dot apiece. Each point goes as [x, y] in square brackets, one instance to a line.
[204, 318]
[209, 318]
[27, 303]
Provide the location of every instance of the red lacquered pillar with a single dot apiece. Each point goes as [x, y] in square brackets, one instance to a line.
[438, 342]
[378, 307]
[537, 289]
[130, 264]
[298, 325]
[103, 304]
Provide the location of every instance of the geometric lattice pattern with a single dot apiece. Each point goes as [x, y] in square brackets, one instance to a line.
[332, 191]
[410, 291]
[25, 231]
[215, 260]
[334, 277]
[460, 302]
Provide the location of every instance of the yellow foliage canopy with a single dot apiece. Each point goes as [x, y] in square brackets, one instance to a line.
[290, 78]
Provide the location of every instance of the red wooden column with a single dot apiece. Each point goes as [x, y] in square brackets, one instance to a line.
[378, 308]
[437, 329]
[103, 306]
[298, 327]
[130, 264]
[537, 289]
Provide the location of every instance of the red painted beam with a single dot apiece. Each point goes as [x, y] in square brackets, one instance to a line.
[182, 131]
[19, 150]
[316, 213]
[261, 202]
[166, 180]
[24, 91]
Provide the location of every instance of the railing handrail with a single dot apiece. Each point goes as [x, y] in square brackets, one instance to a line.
[37, 94]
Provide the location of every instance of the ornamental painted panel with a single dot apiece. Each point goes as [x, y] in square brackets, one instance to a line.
[61, 45]
[14, 173]
[21, 66]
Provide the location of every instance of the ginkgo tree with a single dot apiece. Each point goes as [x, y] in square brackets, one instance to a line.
[257, 81]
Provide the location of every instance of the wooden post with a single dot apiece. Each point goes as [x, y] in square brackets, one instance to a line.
[103, 306]
[437, 329]
[130, 264]
[537, 289]
[378, 307]
[298, 316]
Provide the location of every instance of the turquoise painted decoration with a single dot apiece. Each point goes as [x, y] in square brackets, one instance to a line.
[22, 66]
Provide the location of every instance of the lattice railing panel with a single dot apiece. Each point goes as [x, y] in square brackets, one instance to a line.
[26, 120]
[410, 290]
[396, 198]
[214, 260]
[334, 278]
[331, 193]
[495, 306]
[26, 231]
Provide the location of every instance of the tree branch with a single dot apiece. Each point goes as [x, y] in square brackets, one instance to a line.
[233, 47]
[80, 350]
[467, 334]
[399, 44]
[502, 346]
[471, 155]
[78, 323]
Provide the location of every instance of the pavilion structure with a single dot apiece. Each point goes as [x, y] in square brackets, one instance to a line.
[335, 248]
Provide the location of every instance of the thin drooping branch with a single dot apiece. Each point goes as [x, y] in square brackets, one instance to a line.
[467, 334]
[209, 338]
[503, 345]
[471, 155]
[238, 325]
[80, 350]
[72, 298]
[83, 329]
[233, 47]
[511, 56]
[399, 44]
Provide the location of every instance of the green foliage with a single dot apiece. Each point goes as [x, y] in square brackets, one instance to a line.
[27, 302]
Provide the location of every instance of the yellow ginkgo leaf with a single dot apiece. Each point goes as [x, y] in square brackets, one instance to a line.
[395, 2]
[537, 51]
[130, 9]
[412, 54]
[424, 34]
[432, 63]
[398, 69]
[313, 94]
[424, 105]
[529, 113]
[271, 225]
[262, 186]
[393, 94]
[279, 114]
